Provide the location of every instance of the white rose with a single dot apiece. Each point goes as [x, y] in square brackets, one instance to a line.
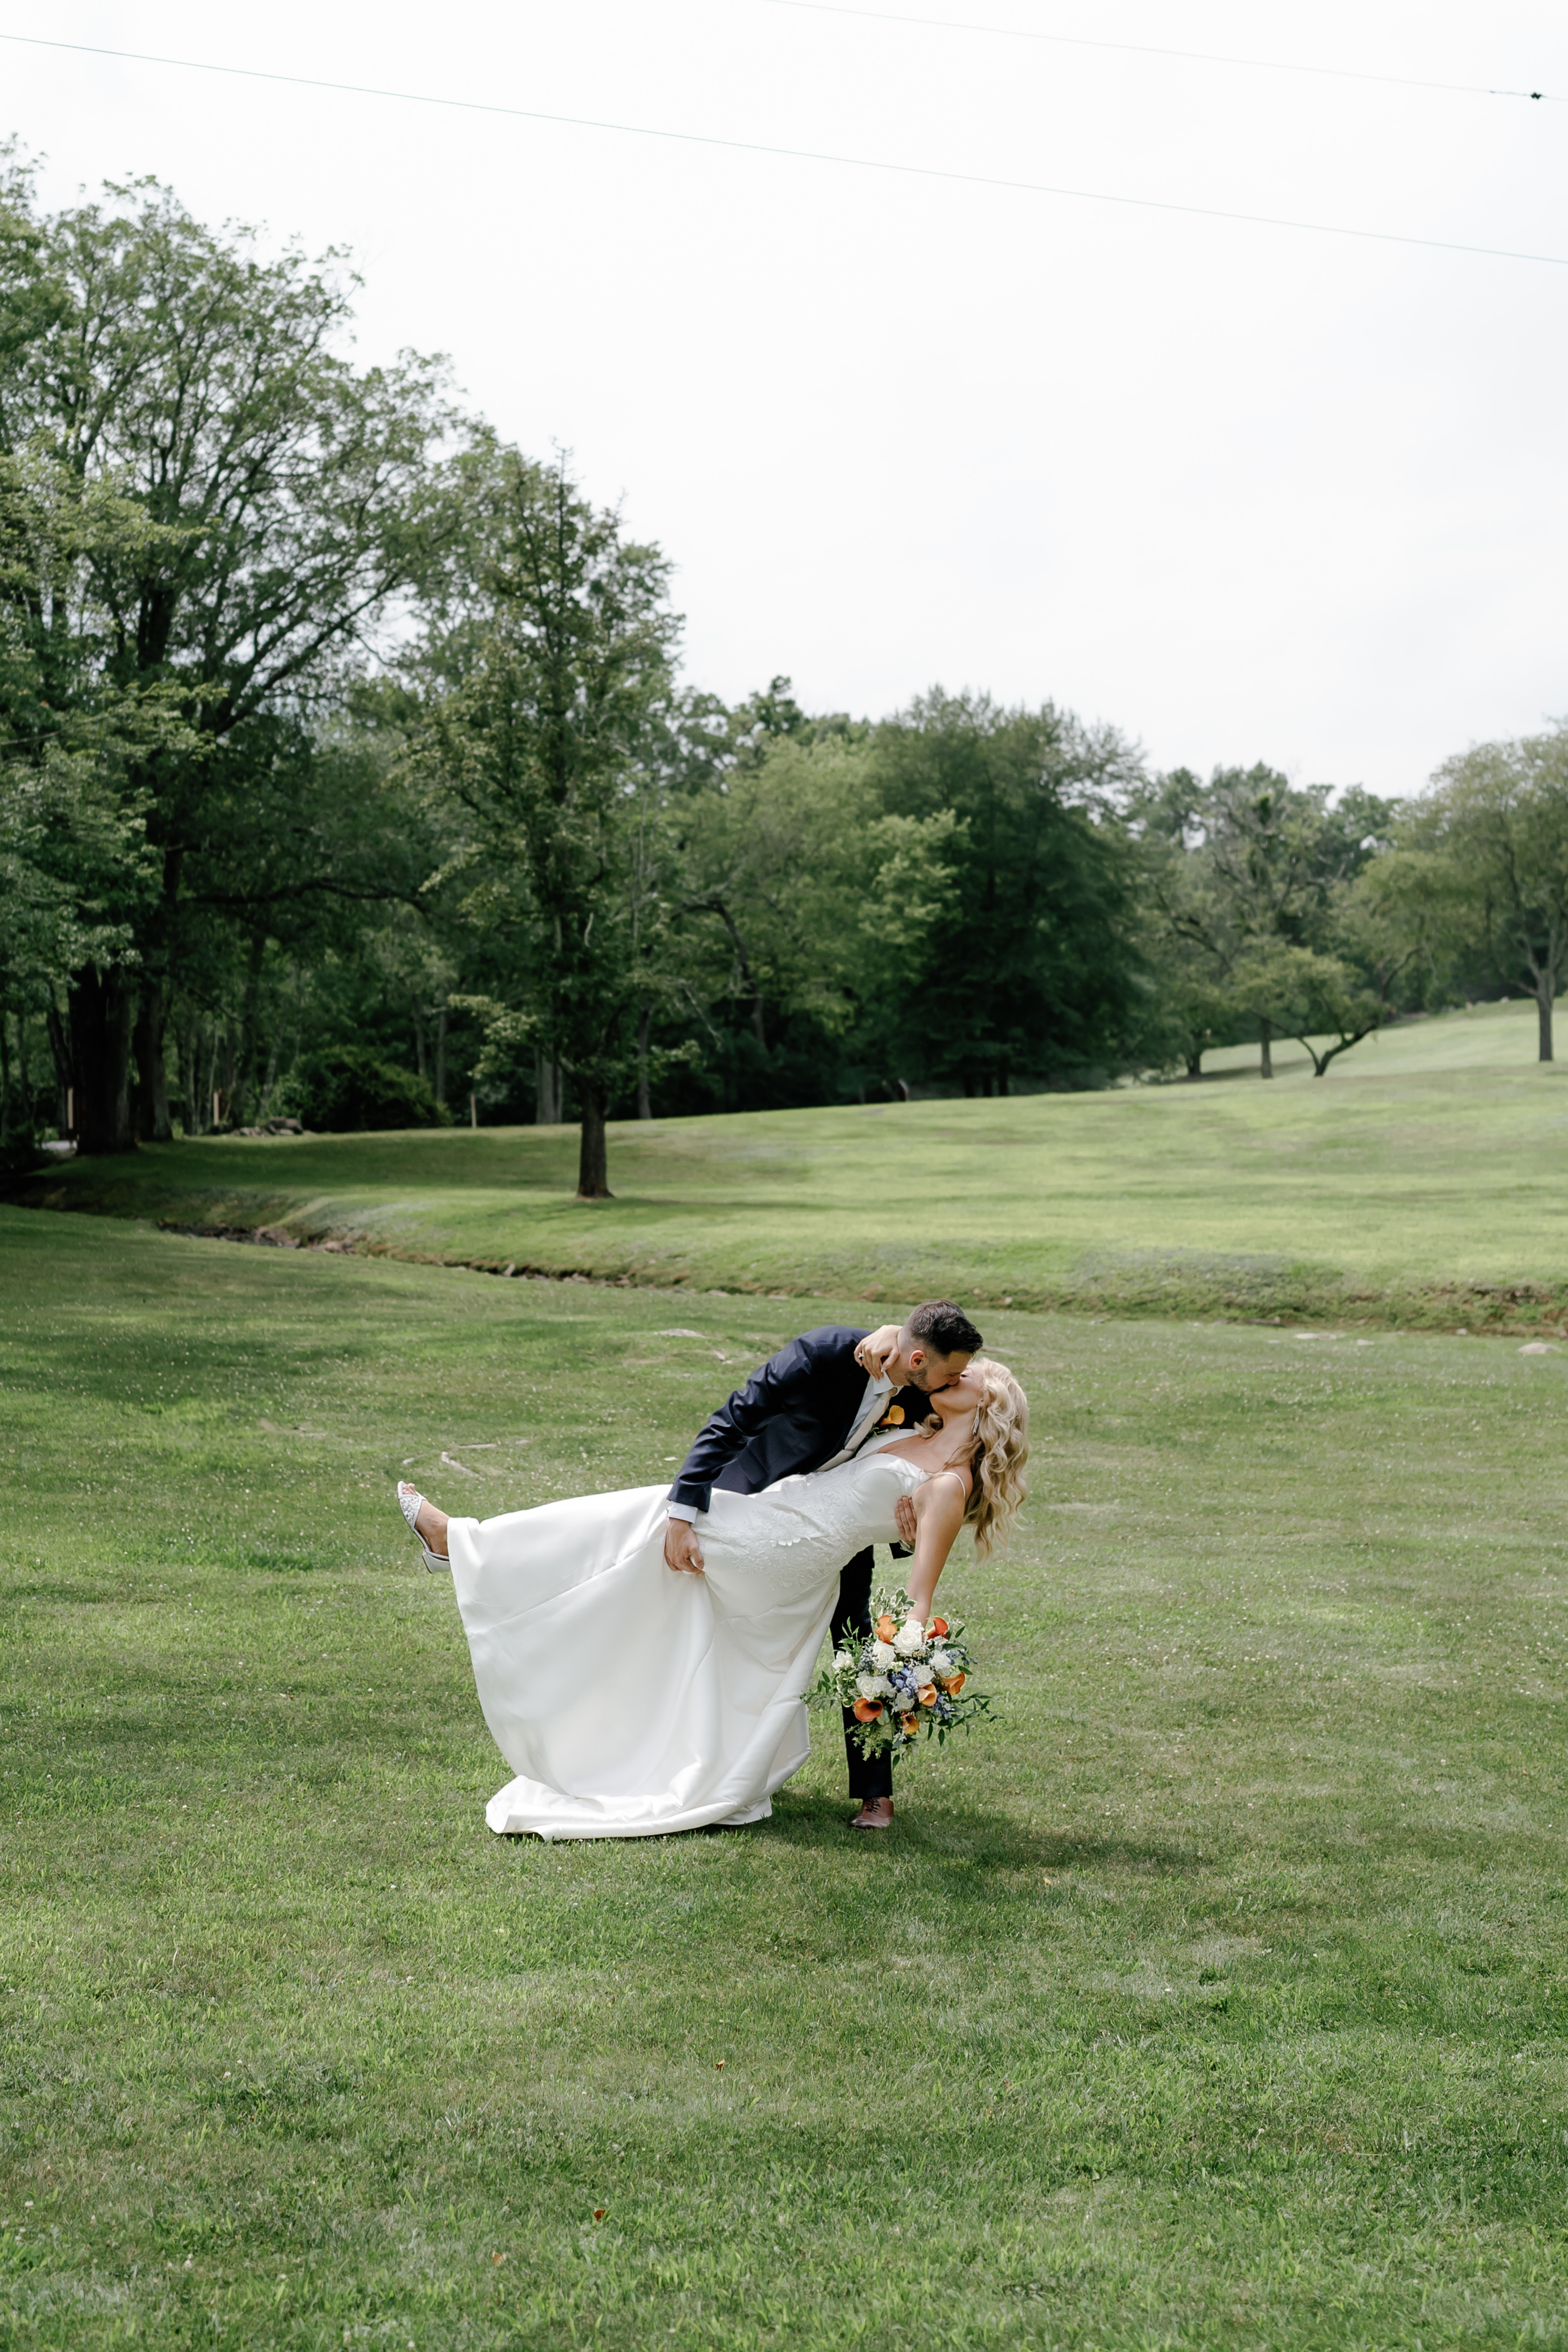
[910, 1637]
[940, 1663]
[883, 1654]
[871, 1685]
[842, 1661]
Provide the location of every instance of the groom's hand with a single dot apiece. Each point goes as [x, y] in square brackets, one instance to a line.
[908, 1525]
[681, 1548]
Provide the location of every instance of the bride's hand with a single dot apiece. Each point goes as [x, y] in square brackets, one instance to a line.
[874, 1349]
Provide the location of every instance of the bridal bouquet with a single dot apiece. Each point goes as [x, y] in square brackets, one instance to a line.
[906, 1679]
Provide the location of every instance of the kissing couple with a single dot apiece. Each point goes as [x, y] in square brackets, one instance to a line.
[641, 1657]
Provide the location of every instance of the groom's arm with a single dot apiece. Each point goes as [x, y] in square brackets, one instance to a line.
[779, 1386]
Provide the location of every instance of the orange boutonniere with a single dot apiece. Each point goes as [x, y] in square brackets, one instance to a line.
[892, 1419]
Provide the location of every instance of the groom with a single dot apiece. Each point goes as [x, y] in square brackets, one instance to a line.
[810, 1407]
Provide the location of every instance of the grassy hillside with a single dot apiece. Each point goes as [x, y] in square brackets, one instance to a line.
[1212, 1995]
[1428, 1162]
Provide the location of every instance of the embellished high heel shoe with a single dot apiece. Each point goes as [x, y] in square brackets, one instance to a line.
[409, 1499]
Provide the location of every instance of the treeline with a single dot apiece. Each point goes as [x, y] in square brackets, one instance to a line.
[349, 775]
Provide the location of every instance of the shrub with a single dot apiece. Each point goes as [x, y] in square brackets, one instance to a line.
[20, 1156]
[346, 1090]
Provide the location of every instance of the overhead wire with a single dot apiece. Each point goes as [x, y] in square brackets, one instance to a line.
[1153, 49]
[796, 154]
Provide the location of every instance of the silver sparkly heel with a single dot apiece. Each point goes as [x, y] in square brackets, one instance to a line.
[409, 1498]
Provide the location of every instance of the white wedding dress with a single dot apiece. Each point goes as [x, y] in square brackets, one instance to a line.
[631, 1699]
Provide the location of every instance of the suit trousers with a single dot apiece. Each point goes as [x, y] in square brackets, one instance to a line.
[869, 1776]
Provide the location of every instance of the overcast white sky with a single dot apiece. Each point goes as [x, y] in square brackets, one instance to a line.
[1246, 492]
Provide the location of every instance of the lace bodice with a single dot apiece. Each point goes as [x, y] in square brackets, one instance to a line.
[808, 1526]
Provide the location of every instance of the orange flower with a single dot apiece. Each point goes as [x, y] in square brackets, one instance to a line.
[939, 1625]
[927, 1695]
[867, 1710]
[912, 1724]
[954, 1685]
[886, 1629]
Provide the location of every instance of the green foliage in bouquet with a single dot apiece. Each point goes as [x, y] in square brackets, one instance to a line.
[905, 1680]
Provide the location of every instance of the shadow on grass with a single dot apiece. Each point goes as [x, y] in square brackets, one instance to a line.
[970, 1838]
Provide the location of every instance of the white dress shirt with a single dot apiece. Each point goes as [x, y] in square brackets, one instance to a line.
[879, 1389]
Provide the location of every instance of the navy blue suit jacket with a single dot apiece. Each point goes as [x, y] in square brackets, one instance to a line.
[793, 1415]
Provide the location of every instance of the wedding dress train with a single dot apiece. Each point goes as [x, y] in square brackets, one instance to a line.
[631, 1699]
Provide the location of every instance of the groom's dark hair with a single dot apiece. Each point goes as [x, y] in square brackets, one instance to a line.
[945, 1328]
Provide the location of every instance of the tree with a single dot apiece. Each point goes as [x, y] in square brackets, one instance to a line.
[808, 897]
[74, 856]
[1487, 874]
[548, 676]
[1040, 913]
[1188, 946]
[284, 501]
[1304, 993]
[1250, 877]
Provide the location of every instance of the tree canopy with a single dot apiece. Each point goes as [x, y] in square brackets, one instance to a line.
[347, 771]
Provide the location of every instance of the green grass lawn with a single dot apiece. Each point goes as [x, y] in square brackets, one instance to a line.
[1214, 1996]
[1430, 1160]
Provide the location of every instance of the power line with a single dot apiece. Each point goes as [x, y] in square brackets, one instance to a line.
[1149, 49]
[799, 154]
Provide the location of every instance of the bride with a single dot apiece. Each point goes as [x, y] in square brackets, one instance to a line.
[631, 1701]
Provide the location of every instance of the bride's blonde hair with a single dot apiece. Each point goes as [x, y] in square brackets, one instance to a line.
[1001, 1450]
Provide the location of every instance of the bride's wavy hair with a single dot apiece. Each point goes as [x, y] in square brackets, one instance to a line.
[1001, 1450]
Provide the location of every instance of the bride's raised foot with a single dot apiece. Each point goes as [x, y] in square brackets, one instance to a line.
[876, 1813]
[427, 1524]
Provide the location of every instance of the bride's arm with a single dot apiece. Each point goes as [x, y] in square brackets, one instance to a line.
[876, 1348]
[939, 1513]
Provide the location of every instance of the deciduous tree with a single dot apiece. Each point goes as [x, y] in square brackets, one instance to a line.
[1489, 877]
[549, 675]
[285, 501]
[1038, 931]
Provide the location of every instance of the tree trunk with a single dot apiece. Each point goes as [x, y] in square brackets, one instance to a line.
[1265, 1057]
[1195, 1063]
[645, 1102]
[441, 1055]
[204, 1061]
[593, 1163]
[242, 1079]
[1543, 1019]
[153, 1124]
[64, 1068]
[26, 1074]
[190, 1074]
[744, 963]
[547, 1090]
[5, 1077]
[263, 1107]
[100, 1012]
